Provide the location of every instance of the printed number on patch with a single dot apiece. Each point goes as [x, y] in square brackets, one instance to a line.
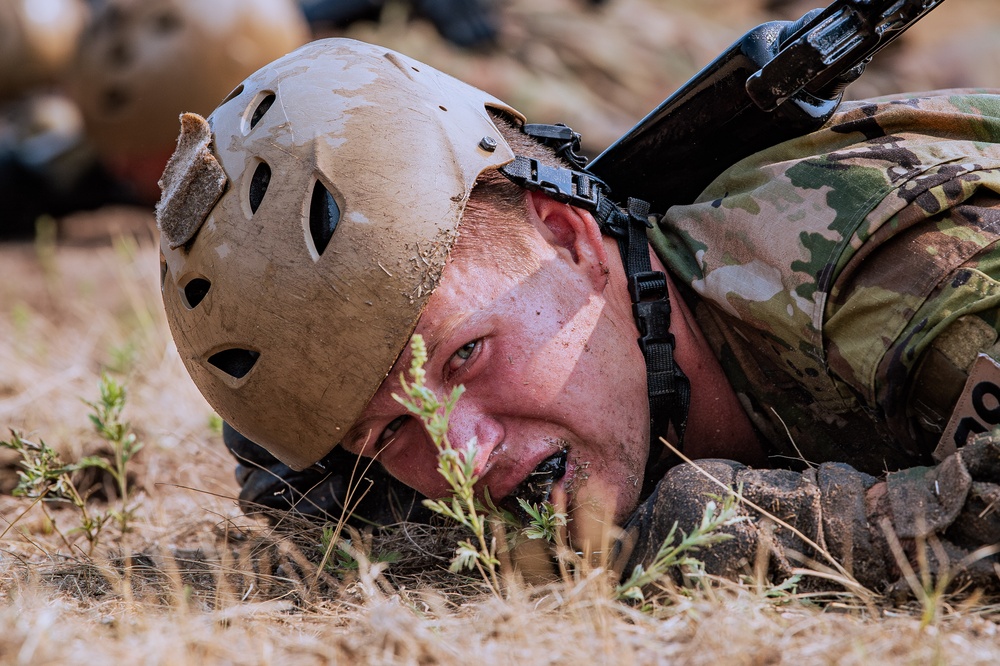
[977, 409]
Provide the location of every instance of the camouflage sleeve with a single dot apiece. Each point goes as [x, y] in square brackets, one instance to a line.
[826, 267]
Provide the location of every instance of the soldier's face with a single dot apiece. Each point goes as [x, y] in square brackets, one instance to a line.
[547, 365]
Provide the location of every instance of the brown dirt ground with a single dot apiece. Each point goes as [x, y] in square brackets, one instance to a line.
[205, 585]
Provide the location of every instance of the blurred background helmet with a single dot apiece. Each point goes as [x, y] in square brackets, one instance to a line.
[143, 62]
[37, 40]
[305, 226]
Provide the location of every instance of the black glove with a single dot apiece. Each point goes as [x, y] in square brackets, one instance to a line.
[319, 493]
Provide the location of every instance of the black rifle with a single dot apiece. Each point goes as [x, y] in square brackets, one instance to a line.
[779, 81]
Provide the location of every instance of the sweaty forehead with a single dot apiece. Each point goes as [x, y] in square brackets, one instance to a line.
[472, 286]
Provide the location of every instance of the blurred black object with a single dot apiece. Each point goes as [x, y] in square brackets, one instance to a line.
[470, 24]
[47, 167]
[319, 493]
[340, 13]
[26, 194]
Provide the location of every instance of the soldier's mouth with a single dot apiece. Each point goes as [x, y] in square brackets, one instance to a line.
[537, 487]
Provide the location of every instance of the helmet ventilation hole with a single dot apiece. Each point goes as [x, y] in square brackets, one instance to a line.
[236, 91]
[324, 214]
[195, 291]
[261, 109]
[235, 362]
[258, 185]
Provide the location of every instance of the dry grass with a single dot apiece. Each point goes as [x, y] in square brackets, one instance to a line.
[196, 582]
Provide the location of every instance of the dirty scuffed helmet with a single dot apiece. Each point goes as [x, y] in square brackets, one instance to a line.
[142, 62]
[37, 40]
[305, 225]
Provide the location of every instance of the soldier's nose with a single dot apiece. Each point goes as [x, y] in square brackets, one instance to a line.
[468, 425]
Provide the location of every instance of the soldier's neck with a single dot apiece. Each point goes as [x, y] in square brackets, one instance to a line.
[718, 426]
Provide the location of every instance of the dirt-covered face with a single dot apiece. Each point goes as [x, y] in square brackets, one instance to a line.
[549, 364]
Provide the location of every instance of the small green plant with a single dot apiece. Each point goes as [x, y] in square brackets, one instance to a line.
[108, 423]
[44, 476]
[456, 467]
[215, 423]
[341, 558]
[544, 520]
[670, 555]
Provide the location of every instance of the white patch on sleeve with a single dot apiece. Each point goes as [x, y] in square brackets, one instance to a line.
[755, 281]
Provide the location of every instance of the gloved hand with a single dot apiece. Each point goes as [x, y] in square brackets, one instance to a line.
[319, 493]
[842, 511]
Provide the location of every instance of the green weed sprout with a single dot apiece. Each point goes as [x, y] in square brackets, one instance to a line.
[456, 467]
[342, 559]
[44, 476]
[544, 520]
[108, 424]
[670, 555]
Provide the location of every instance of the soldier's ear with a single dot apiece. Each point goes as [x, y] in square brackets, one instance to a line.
[572, 231]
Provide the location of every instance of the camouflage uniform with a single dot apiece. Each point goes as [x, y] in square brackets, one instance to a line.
[847, 281]
[825, 267]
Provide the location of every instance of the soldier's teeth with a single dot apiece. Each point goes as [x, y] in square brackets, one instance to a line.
[537, 487]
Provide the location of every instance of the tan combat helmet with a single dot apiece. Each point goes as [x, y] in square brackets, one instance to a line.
[142, 62]
[304, 227]
[37, 40]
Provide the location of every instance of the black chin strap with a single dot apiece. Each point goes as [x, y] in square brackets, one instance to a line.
[668, 386]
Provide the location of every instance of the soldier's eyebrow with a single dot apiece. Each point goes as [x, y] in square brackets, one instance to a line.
[446, 329]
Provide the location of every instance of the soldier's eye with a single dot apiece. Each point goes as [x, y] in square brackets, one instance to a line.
[466, 350]
[392, 429]
[463, 354]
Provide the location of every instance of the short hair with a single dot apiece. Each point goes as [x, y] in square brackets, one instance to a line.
[494, 224]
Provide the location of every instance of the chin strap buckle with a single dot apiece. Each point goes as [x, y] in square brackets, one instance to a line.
[650, 308]
[576, 188]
